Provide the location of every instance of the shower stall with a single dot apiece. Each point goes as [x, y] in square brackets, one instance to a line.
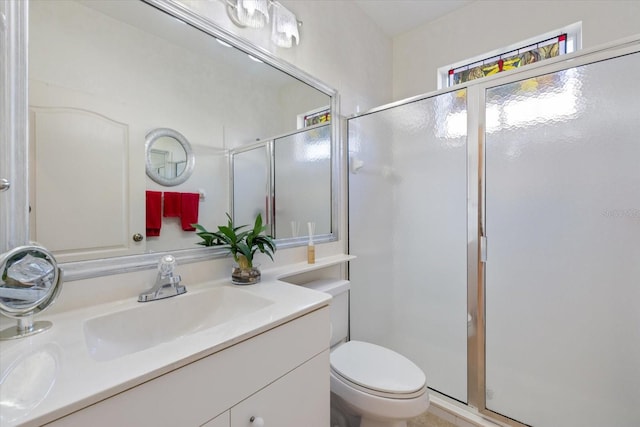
[497, 230]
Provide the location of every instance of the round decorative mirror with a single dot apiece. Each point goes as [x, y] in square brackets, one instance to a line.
[30, 281]
[169, 158]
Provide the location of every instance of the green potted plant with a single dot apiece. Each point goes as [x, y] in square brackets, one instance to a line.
[242, 244]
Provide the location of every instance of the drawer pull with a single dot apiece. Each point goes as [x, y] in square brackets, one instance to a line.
[257, 421]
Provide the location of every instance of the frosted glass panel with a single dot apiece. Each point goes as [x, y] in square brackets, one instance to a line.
[251, 185]
[407, 225]
[563, 230]
[303, 182]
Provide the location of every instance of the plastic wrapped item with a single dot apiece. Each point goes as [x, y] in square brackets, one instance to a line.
[31, 271]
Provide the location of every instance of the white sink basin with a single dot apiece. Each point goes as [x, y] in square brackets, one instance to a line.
[148, 324]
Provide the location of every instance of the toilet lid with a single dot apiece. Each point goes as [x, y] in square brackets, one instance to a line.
[377, 368]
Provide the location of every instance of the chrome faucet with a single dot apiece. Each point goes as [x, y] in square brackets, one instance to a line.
[167, 283]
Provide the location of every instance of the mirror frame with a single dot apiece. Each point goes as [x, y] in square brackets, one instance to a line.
[191, 159]
[14, 162]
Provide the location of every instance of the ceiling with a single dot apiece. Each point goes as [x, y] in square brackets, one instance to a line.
[399, 16]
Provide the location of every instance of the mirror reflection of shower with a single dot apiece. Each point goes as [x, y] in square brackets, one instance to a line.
[358, 166]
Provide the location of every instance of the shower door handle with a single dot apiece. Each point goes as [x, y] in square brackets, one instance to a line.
[483, 249]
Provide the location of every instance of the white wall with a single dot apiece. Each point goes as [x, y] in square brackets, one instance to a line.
[485, 25]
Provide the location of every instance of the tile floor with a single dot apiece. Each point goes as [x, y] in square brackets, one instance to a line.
[429, 420]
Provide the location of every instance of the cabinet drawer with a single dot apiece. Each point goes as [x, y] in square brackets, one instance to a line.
[221, 420]
[300, 398]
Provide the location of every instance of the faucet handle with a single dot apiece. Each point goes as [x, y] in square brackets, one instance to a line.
[166, 265]
[167, 283]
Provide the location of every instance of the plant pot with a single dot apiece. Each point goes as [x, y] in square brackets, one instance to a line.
[245, 276]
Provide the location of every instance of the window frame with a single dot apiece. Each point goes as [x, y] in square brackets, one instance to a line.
[573, 44]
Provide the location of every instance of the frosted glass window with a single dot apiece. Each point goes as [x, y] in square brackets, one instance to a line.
[563, 226]
[408, 228]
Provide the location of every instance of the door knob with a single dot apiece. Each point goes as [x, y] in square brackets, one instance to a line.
[4, 184]
[137, 237]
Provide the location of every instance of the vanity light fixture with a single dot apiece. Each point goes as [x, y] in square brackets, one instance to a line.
[285, 26]
[255, 14]
[248, 13]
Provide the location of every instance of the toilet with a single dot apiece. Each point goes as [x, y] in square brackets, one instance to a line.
[371, 386]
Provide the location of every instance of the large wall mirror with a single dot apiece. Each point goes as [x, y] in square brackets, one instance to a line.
[102, 76]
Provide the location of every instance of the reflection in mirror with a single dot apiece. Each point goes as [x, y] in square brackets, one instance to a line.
[30, 281]
[169, 158]
[251, 182]
[302, 182]
[27, 379]
[287, 180]
[102, 75]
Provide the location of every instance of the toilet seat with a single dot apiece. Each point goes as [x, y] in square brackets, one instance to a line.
[377, 370]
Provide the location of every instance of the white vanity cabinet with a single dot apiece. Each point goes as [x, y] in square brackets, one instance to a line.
[300, 398]
[221, 420]
[280, 376]
[292, 401]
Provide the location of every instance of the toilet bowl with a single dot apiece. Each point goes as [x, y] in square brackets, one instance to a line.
[377, 385]
[371, 386]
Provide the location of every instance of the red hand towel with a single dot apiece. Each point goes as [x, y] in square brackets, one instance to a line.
[172, 204]
[154, 210]
[189, 215]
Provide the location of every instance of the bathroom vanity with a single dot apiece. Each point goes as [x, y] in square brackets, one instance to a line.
[219, 355]
[279, 376]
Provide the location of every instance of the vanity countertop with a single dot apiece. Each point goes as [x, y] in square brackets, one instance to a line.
[54, 374]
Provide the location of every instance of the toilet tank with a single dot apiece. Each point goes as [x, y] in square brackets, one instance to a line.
[339, 308]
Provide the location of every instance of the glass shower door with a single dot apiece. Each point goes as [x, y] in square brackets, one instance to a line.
[562, 280]
[408, 228]
[302, 182]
